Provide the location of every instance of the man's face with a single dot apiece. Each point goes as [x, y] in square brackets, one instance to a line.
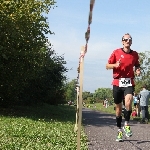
[127, 41]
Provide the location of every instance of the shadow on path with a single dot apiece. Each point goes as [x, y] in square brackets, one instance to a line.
[101, 130]
[97, 118]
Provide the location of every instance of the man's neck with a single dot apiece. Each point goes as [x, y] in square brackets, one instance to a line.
[127, 50]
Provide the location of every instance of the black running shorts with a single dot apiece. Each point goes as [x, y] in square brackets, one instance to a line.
[120, 92]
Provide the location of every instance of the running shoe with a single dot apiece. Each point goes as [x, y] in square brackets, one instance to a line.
[119, 136]
[127, 131]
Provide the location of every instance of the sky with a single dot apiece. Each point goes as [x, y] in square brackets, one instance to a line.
[111, 19]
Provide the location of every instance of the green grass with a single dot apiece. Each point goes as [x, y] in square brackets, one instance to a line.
[110, 109]
[41, 128]
[100, 107]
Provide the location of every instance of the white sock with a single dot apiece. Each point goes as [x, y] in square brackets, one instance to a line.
[119, 130]
[126, 123]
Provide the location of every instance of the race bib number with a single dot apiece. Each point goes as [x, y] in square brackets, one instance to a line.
[125, 82]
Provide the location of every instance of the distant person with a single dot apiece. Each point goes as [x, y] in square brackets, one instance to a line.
[135, 99]
[134, 113]
[69, 103]
[106, 103]
[138, 106]
[144, 99]
[122, 61]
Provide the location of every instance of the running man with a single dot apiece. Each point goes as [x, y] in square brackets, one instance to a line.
[123, 61]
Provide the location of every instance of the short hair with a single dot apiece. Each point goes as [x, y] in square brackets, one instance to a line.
[126, 34]
[144, 86]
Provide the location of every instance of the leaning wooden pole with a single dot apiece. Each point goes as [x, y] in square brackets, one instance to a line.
[80, 96]
[77, 127]
[77, 110]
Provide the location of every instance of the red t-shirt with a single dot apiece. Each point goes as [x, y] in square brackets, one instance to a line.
[134, 113]
[128, 61]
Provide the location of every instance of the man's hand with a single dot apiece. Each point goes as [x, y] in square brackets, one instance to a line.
[138, 71]
[112, 66]
[117, 64]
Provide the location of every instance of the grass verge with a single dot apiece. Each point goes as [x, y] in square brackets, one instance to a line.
[39, 128]
[109, 109]
[100, 107]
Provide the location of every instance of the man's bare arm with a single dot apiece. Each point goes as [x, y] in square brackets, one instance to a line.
[112, 66]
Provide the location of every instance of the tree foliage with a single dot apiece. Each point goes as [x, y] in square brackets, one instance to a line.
[103, 93]
[30, 69]
[71, 93]
[88, 97]
[144, 78]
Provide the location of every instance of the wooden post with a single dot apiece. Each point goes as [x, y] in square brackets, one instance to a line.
[77, 111]
[80, 95]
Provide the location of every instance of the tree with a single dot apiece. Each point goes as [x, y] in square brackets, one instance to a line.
[86, 95]
[102, 93]
[25, 54]
[71, 93]
[145, 71]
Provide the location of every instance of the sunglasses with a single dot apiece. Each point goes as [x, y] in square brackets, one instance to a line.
[130, 39]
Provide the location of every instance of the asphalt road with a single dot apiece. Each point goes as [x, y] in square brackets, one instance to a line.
[102, 131]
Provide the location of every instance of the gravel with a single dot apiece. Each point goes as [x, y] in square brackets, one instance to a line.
[102, 131]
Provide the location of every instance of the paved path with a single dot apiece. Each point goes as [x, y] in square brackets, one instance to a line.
[101, 131]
